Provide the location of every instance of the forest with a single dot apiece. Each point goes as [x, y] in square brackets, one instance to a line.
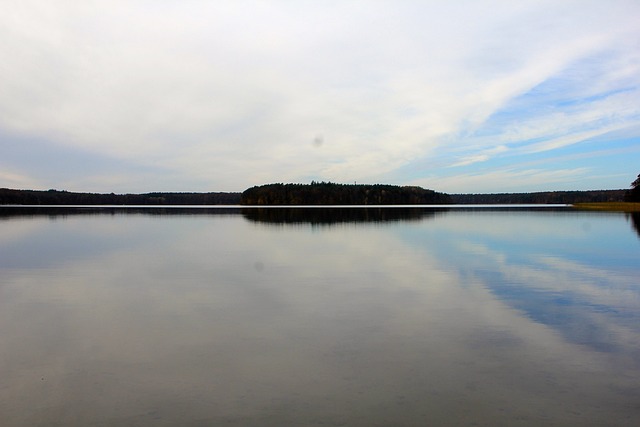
[327, 193]
[633, 194]
[56, 197]
[544, 197]
[315, 194]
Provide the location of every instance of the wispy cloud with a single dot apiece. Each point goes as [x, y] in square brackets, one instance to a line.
[507, 180]
[229, 94]
[482, 157]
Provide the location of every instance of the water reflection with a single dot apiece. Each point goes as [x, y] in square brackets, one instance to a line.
[65, 211]
[594, 307]
[635, 221]
[331, 216]
[579, 279]
[472, 317]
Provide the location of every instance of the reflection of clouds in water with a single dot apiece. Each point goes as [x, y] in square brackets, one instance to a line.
[505, 224]
[48, 241]
[553, 274]
[526, 227]
[596, 307]
[343, 324]
[15, 230]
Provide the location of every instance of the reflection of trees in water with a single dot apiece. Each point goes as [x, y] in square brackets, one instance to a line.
[635, 221]
[64, 211]
[330, 216]
[318, 216]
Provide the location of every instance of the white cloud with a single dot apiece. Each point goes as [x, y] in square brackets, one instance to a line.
[225, 93]
[10, 179]
[506, 180]
[482, 157]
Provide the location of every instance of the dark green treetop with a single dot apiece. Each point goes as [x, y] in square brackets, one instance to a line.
[327, 193]
[633, 195]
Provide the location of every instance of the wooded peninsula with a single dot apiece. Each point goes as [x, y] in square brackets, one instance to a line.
[327, 193]
[316, 193]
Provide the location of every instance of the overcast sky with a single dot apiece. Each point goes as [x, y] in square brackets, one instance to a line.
[187, 95]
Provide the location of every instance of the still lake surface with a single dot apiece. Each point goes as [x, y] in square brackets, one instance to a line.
[327, 317]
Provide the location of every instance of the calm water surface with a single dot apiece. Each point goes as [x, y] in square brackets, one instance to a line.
[327, 317]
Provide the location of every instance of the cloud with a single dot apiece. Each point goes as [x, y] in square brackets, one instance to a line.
[483, 157]
[11, 179]
[506, 180]
[231, 94]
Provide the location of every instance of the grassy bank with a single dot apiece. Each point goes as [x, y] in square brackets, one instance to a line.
[609, 206]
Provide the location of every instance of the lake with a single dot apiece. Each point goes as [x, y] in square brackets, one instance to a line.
[319, 317]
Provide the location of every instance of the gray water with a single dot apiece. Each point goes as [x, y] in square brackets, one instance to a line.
[319, 317]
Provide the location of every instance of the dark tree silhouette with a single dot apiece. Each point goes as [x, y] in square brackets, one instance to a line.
[633, 195]
[545, 197]
[327, 193]
[320, 216]
[635, 221]
[57, 197]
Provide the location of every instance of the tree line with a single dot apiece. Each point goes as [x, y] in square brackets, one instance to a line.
[544, 197]
[317, 193]
[633, 194]
[328, 193]
[57, 197]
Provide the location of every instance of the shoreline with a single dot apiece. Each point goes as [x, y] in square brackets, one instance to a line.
[609, 206]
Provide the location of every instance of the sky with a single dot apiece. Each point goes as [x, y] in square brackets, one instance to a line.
[458, 96]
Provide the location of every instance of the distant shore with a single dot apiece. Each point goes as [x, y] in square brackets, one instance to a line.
[603, 199]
